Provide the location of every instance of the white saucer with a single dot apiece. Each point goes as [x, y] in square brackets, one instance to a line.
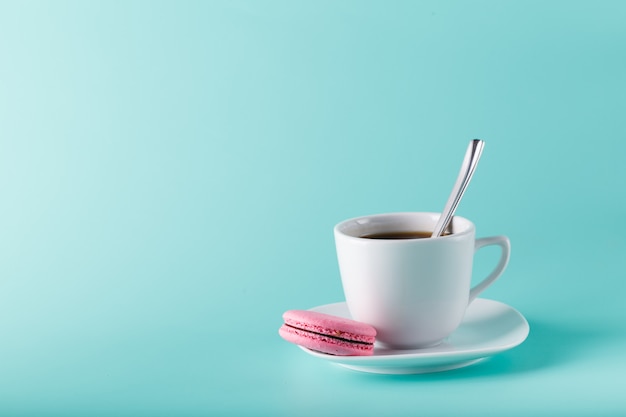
[489, 327]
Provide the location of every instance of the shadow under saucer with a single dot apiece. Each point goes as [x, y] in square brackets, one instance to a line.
[549, 344]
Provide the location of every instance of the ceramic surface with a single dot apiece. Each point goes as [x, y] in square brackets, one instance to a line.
[489, 327]
[414, 291]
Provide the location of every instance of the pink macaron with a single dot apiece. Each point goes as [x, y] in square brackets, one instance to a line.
[328, 334]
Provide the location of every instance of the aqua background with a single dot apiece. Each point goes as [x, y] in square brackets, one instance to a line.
[170, 173]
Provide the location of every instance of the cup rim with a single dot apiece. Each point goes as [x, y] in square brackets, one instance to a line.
[341, 227]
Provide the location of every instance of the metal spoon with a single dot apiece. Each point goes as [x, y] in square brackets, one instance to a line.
[472, 155]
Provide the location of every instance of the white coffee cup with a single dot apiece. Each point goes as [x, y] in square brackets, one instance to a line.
[413, 291]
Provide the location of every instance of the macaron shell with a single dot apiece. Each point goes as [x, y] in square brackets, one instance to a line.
[330, 325]
[323, 343]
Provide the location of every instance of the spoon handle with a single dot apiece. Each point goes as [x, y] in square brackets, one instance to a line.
[472, 155]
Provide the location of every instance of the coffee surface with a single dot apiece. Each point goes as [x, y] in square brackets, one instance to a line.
[405, 234]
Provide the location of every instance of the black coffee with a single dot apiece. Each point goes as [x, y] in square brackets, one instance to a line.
[405, 234]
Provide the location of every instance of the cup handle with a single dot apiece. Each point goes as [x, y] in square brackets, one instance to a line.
[505, 245]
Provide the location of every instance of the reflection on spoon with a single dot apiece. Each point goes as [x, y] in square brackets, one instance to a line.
[472, 155]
